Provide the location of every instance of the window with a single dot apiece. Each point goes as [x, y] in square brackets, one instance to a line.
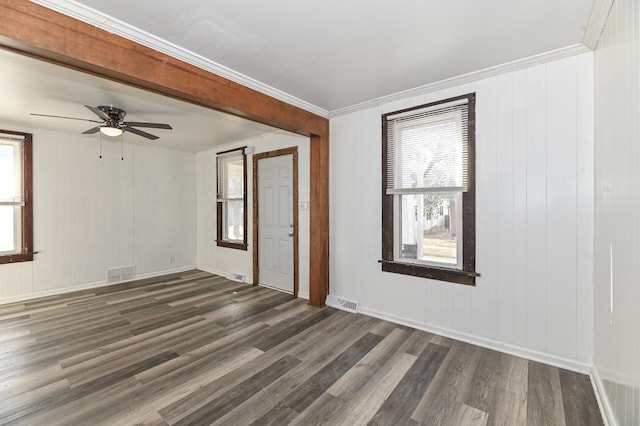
[16, 204]
[232, 199]
[428, 194]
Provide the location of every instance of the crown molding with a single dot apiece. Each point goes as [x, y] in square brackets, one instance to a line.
[541, 58]
[597, 21]
[108, 23]
[103, 21]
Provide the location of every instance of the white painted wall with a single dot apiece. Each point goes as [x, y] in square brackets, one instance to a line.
[93, 214]
[534, 218]
[222, 260]
[617, 213]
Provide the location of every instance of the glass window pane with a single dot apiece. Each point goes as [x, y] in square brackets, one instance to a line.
[431, 155]
[430, 225]
[7, 172]
[234, 220]
[7, 229]
[234, 178]
[230, 193]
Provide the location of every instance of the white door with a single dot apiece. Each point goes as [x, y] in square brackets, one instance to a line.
[275, 222]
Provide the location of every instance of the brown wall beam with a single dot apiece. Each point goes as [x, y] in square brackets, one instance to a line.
[319, 221]
[42, 33]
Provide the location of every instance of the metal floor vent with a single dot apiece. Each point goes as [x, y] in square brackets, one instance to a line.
[346, 304]
[235, 276]
[126, 273]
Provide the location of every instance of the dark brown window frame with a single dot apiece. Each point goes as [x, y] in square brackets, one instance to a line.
[26, 214]
[467, 275]
[220, 241]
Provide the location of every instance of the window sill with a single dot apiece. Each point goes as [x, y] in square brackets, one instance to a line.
[229, 244]
[16, 258]
[441, 274]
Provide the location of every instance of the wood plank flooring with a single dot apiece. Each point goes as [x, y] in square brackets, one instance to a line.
[197, 349]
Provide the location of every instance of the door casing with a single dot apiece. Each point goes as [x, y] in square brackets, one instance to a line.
[257, 157]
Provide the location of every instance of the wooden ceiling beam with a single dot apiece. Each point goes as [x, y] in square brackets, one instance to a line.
[45, 34]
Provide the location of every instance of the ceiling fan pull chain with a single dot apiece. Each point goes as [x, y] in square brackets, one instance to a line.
[100, 145]
[122, 147]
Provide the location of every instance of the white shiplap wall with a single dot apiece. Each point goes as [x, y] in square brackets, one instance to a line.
[224, 261]
[617, 214]
[93, 214]
[534, 218]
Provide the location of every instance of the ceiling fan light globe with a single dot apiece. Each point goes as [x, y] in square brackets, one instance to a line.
[111, 131]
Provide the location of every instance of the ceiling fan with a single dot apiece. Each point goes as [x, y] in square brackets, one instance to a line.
[113, 123]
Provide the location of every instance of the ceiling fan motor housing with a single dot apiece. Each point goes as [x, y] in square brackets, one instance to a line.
[116, 114]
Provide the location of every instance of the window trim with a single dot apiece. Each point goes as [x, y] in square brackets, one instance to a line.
[26, 215]
[467, 275]
[220, 241]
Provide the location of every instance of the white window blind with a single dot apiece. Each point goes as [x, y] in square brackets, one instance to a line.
[230, 176]
[11, 170]
[427, 149]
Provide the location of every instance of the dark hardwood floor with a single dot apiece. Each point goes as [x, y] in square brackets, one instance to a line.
[195, 348]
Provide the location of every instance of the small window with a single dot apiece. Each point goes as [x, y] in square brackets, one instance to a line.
[428, 212]
[16, 203]
[232, 199]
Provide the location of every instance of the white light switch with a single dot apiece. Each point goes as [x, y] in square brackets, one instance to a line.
[304, 205]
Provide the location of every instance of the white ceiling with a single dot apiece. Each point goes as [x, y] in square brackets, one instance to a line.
[336, 53]
[330, 54]
[31, 86]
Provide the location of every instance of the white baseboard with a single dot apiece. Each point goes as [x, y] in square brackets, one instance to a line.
[553, 360]
[211, 270]
[219, 272]
[603, 400]
[63, 290]
[301, 294]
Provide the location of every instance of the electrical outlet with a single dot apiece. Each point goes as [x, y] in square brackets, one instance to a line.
[172, 259]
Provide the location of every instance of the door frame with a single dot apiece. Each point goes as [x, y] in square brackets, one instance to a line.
[256, 158]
